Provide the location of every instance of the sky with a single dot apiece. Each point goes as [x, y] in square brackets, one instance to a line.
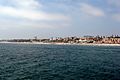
[58, 18]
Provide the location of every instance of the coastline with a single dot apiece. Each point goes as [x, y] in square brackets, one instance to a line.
[84, 44]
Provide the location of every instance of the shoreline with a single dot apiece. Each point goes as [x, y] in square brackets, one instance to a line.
[84, 44]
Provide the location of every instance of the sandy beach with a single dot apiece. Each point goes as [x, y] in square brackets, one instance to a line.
[84, 44]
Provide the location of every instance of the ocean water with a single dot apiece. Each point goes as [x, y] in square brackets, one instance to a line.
[59, 62]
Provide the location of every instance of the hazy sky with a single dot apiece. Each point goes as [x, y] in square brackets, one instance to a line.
[51, 18]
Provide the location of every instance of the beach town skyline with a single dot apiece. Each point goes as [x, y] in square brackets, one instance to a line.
[97, 40]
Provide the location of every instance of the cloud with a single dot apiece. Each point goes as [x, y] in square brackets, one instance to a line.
[91, 10]
[26, 4]
[29, 9]
[10, 24]
[30, 14]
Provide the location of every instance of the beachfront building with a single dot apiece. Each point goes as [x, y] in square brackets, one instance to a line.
[111, 40]
[86, 40]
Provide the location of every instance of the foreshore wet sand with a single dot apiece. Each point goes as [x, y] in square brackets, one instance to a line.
[87, 44]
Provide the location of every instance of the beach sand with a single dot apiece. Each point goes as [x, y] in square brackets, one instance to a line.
[85, 44]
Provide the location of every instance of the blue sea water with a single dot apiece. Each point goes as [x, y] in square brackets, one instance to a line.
[59, 62]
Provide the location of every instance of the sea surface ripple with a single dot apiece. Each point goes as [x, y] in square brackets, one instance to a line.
[59, 62]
